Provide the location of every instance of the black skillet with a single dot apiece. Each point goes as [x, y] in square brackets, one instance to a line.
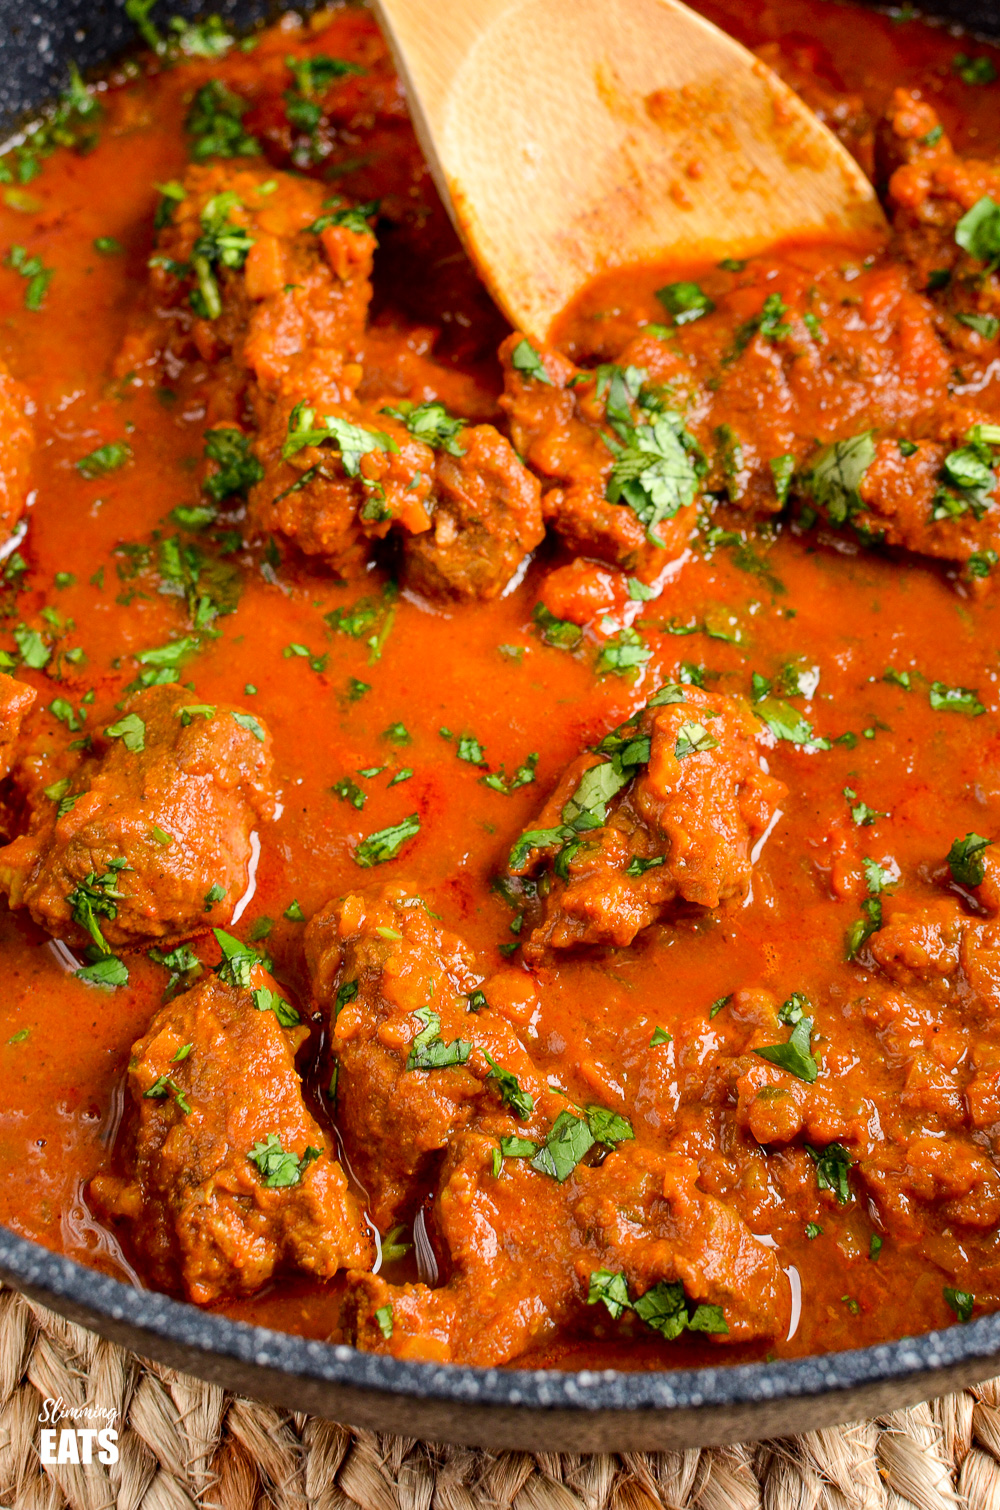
[585, 1411]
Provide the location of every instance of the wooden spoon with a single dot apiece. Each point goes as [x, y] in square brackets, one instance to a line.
[570, 137]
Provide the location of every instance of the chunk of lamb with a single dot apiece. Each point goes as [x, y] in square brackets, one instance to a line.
[148, 835]
[558, 417]
[275, 307]
[945, 952]
[16, 699]
[229, 1179]
[910, 494]
[17, 444]
[397, 989]
[520, 1248]
[487, 516]
[930, 190]
[360, 474]
[670, 818]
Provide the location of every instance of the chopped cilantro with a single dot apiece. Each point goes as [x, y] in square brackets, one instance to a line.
[656, 471]
[470, 750]
[524, 358]
[131, 730]
[31, 647]
[660, 1035]
[685, 301]
[981, 563]
[965, 859]
[561, 634]
[639, 864]
[693, 738]
[782, 470]
[944, 699]
[266, 1000]
[349, 791]
[431, 423]
[215, 124]
[107, 972]
[521, 1103]
[237, 469]
[664, 1308]
[962, 1302]
[832, 1166]
[238, 961]
[248, 722]
[795, 1056]
[624, 654]
[785, 722]
[278, 1167]
[569, 1139]
[36, 275]
[386, 843]
[987, 326]
[978, 231]
[835, 475]
[428, 1051]
[107, 458]
[974, 70]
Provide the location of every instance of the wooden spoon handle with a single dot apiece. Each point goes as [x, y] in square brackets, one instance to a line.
[573, 136]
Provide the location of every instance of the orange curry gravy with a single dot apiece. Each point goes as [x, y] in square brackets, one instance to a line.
[866, 648]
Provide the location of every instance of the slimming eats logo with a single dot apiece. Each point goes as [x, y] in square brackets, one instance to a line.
[95, 1440]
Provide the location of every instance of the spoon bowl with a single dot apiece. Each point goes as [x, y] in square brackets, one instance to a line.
[573, 137]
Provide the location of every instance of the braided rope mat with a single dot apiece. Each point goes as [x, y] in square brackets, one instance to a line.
[186, 1445]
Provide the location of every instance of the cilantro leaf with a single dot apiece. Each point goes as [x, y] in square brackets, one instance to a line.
[569, 1139]
[667, 1310]
[962, 1302]
[524, 358]
[832, 1166]
[266, 1000]
[836, 473]
[611, 1290]
[131, 730]
[238, 470]
[656, 471]
[386, 843]
[685, 301]
[965, 859]
[693, 739]
[794, 1056]
[279, 1167]
[521, 1103]
[608, 1127]
[428, 1051]
[238, 960]
[215, 122]
[431, 423]
[107, 972]
[561, 634]
[107, 458]
[944, 699]
[786, 722]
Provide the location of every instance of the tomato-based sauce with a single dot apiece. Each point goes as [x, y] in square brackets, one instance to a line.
[587, 758]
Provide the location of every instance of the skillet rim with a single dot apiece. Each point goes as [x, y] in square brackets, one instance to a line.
[180, 1324]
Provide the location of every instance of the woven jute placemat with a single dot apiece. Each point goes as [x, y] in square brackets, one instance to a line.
[186, 1445]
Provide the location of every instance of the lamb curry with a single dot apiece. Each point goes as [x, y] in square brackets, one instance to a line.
[500, 841]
